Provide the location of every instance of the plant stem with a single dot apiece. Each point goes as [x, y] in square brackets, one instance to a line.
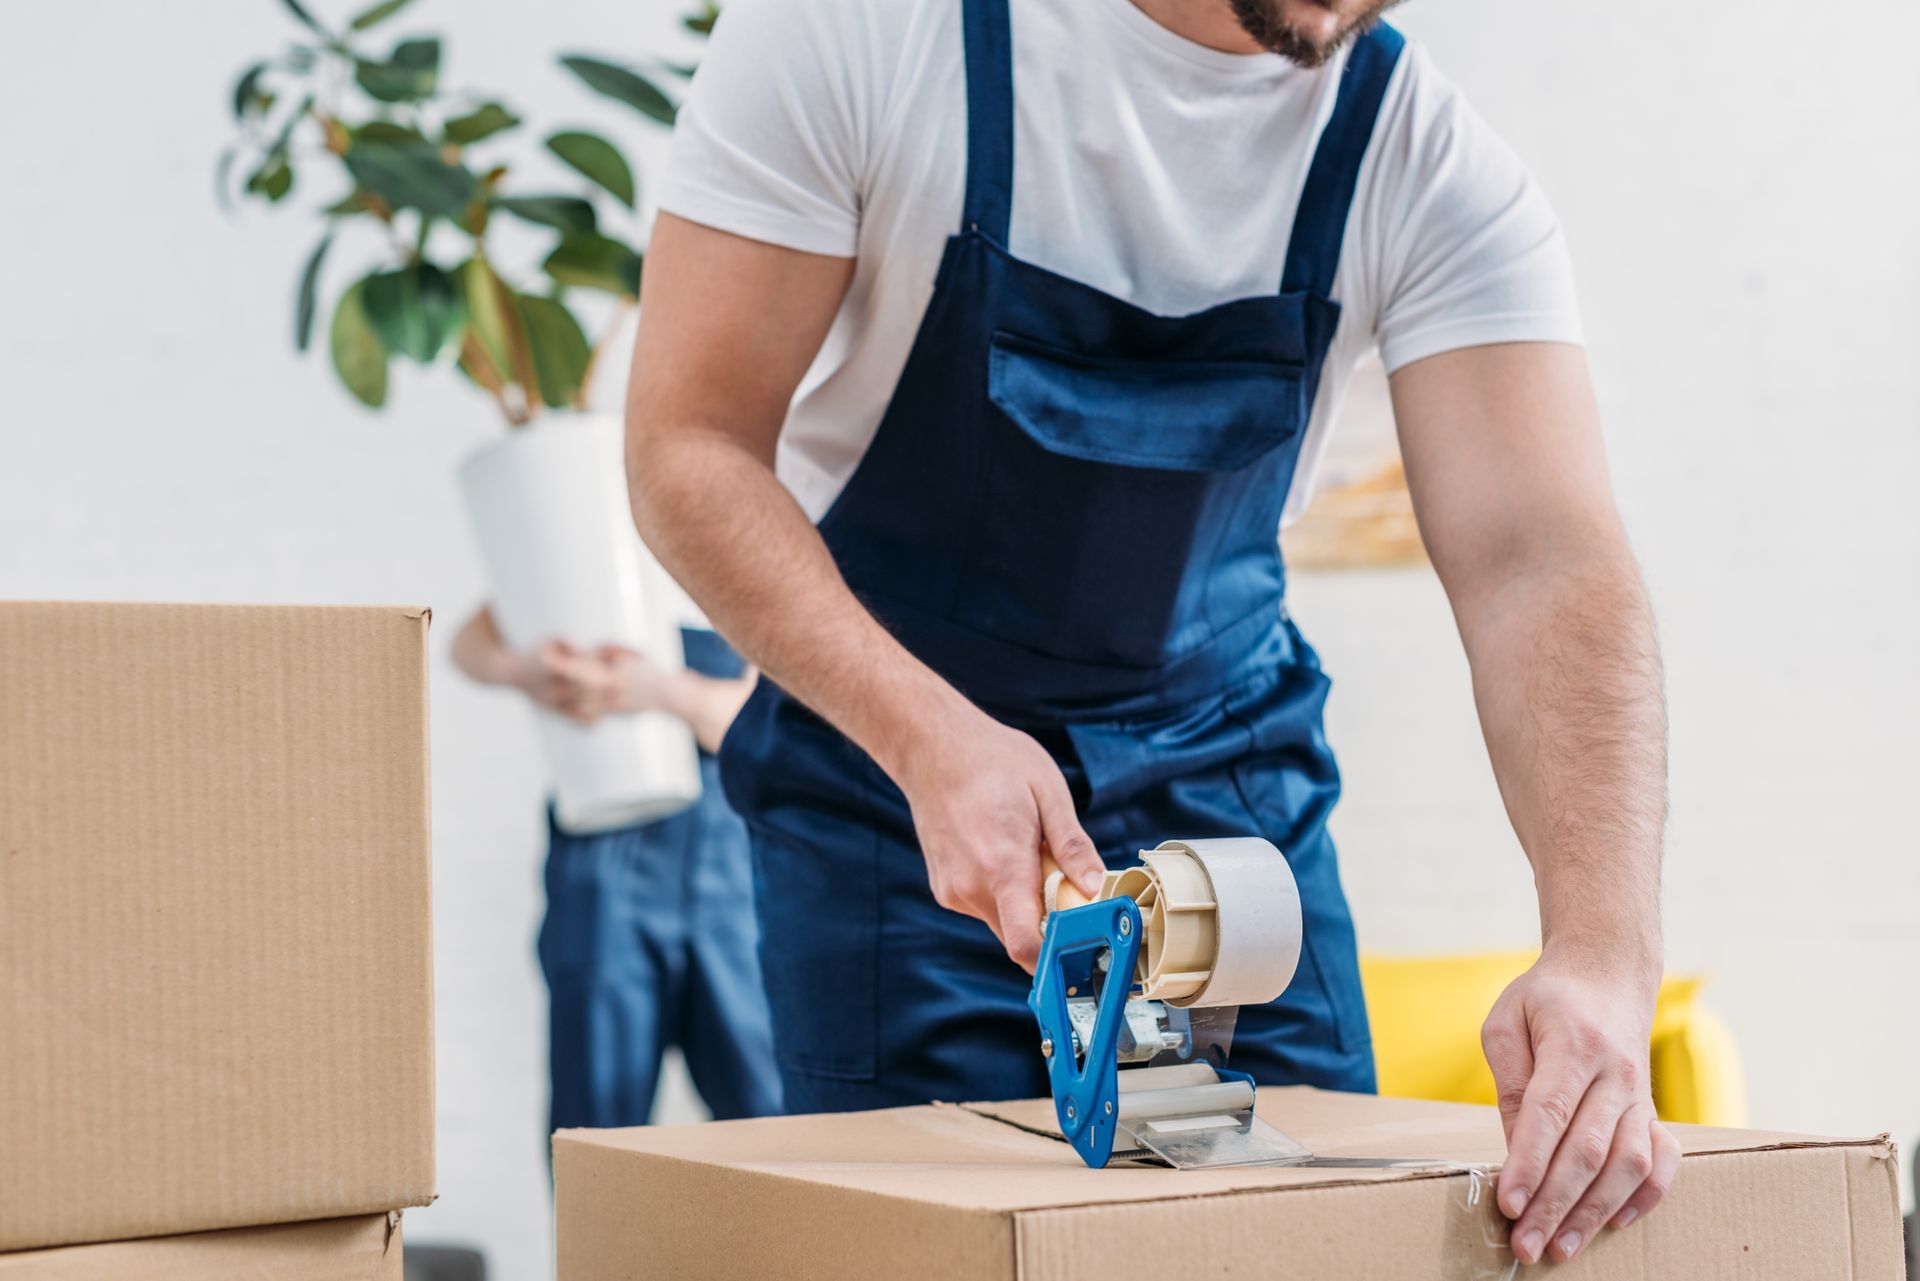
[593, 357]
[519, 351]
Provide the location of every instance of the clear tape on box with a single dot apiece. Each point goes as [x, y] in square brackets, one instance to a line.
[1477, 1230]
[549, 507]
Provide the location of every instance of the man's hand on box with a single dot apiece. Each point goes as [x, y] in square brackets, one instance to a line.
[1567, 1042]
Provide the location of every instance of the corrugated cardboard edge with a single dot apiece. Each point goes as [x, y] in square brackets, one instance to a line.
[423, 615]
[1873, 1185]
[350, 1248]
[424, 1188]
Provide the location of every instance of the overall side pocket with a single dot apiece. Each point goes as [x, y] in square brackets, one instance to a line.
[819, 951]
[816, 885]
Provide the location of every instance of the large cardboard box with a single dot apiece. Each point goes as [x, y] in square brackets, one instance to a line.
[990, 1193]
[215, 971]
[366, 1248]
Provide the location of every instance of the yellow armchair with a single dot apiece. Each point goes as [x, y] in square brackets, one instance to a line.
[1426, 1014]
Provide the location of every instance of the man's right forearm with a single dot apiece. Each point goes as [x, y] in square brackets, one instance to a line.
[726, 528]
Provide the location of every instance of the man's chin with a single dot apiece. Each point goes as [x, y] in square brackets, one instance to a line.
[1316, 24]
[1305, 32]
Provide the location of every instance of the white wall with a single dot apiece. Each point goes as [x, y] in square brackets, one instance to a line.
[1739, 185]
[1742, 196]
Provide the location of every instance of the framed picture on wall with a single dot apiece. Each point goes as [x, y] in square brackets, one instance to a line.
[1361, 516]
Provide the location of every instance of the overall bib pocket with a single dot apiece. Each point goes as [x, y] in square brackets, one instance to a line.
[1113, 485]
[1175, 415]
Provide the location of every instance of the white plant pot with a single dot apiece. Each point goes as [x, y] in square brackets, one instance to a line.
[549, 504]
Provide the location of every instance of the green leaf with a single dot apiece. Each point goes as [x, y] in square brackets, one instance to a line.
[598, 160]
[390, 131]
[559, 346]
[483, 297]
[701, 21]
[410, 174]
[623, 85]
[300, 11]
[304, 300]
[246, 92]
[358, 357]
[273, 179]
[354, 202]
[594, 261]
[483, 122]
[562, 213]
[377, 14]
[415, 310]
[419, 54]
[410, 74]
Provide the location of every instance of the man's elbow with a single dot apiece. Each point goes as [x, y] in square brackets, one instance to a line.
[1514, 583]
[1494, 559]
[650, 466]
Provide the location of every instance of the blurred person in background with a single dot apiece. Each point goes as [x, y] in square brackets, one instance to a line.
[650, 937]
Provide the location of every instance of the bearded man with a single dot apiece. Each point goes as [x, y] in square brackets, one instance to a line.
[985, 348]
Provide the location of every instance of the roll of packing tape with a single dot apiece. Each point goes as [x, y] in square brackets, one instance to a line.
[1254, 925]
[1221, 919]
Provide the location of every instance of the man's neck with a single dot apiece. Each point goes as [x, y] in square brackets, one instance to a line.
[1205, 22]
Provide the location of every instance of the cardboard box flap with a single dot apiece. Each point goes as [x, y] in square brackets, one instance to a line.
[1358, 1125]
[1009, 1157]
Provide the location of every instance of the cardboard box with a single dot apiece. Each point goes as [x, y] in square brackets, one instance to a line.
[215, 971]
[981, 1192]
[360, 1249]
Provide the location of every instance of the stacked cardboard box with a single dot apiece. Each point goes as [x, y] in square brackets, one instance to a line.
[215, 969]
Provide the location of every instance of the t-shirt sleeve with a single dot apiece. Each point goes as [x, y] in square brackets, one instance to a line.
[771, 138]
[1465, 250]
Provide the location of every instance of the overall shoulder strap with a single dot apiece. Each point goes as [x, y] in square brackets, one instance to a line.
[989, 52]
[1320, 223]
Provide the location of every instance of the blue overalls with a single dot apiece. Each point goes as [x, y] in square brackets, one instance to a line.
[649, 941]
[1070, 511]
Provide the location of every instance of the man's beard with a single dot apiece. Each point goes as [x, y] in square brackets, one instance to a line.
[1262, 20]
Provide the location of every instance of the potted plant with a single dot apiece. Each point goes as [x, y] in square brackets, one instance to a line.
[415, 180]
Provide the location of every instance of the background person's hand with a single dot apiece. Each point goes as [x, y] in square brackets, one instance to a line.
[634, 683]
[577, 683]
[1567, 1042]
[987, 800]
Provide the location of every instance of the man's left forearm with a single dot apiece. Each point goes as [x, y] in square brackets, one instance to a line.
[1568, 681]
[1509, 478]
[1567, 677]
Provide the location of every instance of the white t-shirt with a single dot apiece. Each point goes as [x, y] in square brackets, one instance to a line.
[1145, 165]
